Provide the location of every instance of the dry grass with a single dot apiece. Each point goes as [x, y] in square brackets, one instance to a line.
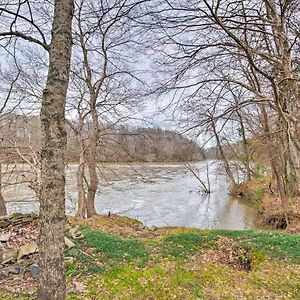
[119, 259]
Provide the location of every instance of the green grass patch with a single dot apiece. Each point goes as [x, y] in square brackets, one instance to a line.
[182, 244]
[275, 244]
[109, 266]
[260, 243]
[115, 248]
[157, 282]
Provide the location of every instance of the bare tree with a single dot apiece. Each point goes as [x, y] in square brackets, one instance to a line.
[252, 46]
[3, 210]
[52, 195]
[19, 23]
[103, 86]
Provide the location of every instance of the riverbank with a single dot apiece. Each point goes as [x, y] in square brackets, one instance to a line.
[120, 258]
[261, 192]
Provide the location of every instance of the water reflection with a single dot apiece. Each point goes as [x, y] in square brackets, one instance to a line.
[157, 195]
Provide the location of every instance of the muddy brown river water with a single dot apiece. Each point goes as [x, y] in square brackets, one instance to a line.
[156, 194]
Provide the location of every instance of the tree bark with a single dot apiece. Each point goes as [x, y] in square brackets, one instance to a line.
[81, 211]
[94, 134]
[245, 147]
[275, 162]
[287, 92]
[92, 155]
[222, 154]
[52, 196]
[3, 211]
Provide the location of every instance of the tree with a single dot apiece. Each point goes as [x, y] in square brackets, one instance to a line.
[20, 22]
[52, 195]
[250, 48]
[103, 83]
[5, 110]
[3, 210]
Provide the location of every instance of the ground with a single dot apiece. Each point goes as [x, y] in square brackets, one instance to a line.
[260, 191]
[120, 259]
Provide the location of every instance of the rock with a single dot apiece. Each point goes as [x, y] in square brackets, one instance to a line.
[16, 219]
[9, 255]
[72, 251]
[4, 223]
[3, 274]
[14, 271]
[4, 237]
[27, 250]
[34, 270]
[17, 229]
[152, 228]
[68, 228]
[79, 237]
[141, 226]
[27, 219]
[69, 243]
[69, 259]
[75, 233]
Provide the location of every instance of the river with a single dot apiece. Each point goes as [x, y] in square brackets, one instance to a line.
[156, 194]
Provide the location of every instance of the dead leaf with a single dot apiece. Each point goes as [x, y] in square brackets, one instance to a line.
[79, 287]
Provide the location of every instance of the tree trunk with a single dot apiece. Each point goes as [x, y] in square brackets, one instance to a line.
[245, 147]
[81, 211]
[52, 284]
[222, 154]
[3, 211]
[93, 184]
[275, 161]
[287, 100]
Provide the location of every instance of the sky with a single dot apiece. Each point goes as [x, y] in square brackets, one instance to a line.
[157, 110]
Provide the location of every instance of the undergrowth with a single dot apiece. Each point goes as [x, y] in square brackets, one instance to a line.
[171, 266]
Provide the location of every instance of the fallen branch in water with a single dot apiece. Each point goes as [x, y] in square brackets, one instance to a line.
[205, 188]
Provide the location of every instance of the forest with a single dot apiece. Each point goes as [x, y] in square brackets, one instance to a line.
[21, 138]
[157, 146]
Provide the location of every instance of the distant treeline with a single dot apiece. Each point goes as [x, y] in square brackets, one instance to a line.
[21, 135]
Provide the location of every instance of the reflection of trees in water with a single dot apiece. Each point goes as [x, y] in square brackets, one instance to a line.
[168, 192]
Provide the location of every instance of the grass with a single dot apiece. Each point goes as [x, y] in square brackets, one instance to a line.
[180, 245]
[188, 239]
[185, 264]
[172, 267]
[113, 247]
[276, 244]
